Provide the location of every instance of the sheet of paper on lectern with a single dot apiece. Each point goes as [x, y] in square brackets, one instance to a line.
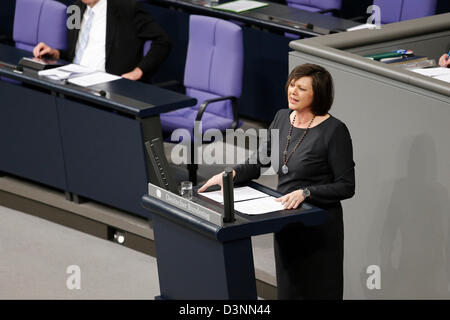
[239, 194]
[258, 206]
[240, 6]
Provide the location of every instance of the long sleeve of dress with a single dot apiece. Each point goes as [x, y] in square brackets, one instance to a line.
[340, 159]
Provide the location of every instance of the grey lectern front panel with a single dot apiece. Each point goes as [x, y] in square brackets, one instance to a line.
[186, 205]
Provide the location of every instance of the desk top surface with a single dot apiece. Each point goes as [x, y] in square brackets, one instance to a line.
[131, 97]
[245, 225]
[274, 16]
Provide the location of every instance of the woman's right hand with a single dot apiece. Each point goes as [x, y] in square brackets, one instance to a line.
[214, 180]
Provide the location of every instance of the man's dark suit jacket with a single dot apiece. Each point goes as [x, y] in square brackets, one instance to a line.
[128, 26]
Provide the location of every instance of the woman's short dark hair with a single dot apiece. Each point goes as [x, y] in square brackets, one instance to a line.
[322, 85]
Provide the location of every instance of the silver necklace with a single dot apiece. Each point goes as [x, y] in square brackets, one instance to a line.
[286, 157]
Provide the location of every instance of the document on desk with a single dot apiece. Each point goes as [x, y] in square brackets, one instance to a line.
[79, 75]
[93, 79]
[444, 77]
[240, 6]
[438, 73]
[433, 72]
[66, 72]
[259, 206]
[239, 194]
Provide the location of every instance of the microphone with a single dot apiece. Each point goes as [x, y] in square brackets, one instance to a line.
[228, 197]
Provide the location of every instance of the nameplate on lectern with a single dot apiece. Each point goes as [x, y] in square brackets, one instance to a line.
[185, 204]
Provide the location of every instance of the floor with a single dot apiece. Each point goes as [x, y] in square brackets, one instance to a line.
[37, 260]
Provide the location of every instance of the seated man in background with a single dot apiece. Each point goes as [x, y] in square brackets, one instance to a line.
[444, 60]
[111, 39]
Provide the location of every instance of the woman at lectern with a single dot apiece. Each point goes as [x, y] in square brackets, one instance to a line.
[316, 165]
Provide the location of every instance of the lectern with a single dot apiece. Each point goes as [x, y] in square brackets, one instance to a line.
[201, 257]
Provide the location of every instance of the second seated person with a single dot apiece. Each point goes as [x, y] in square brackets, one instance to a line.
[111, 39]
[316, 165]
[444, 60]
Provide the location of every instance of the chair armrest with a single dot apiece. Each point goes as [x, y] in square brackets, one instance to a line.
[205, 103]
[361, 19]
[335, 12]
[6, 39]
[171, 83]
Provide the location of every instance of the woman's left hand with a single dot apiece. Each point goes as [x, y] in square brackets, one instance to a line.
[134, 75]
[292, 200]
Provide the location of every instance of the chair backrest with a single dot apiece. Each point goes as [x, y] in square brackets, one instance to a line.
[315, 5]
[399, 10]
[214, 62]
[40, 21]
[147, 46]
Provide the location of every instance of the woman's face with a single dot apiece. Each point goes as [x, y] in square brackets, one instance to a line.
[300, 94]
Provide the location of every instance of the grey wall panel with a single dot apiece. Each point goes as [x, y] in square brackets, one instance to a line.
[399, 217]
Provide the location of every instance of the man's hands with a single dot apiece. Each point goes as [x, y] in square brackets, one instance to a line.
[292, 200]
[134, 75]
[214, 180]
[42, 50]
[444, 61]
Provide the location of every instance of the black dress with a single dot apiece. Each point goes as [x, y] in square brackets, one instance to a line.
[309, 260]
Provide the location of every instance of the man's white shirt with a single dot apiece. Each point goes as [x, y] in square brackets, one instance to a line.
[94, 55]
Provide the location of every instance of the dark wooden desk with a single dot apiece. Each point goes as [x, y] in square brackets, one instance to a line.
[70, 138]
[274, 17]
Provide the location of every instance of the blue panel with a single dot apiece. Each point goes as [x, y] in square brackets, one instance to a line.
[7, 17]
[104, 155]
[30, 144]
[194, 266]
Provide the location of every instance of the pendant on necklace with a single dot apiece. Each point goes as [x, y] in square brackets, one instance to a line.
[284, 169]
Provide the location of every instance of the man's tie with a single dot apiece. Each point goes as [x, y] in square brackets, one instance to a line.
[84, 38]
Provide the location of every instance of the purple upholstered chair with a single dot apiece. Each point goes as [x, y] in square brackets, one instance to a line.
[39, 21]
[212, 75]
[399, 10]
[147, 46]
